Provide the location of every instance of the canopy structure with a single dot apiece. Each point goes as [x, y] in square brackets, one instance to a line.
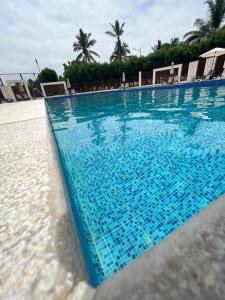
[213, 53]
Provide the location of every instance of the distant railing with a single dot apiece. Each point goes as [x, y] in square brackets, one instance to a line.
[96, 85]
[147, 78]
[110, 84]
[162, 77]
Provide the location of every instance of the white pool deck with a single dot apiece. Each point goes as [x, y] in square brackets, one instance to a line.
[39, 254]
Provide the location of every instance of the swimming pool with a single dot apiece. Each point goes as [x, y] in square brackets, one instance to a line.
[138, 164]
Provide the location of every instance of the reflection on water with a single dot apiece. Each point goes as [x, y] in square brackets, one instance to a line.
[115, 115]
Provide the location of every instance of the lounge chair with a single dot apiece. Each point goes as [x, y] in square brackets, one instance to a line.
[25, 97]
[124, 85]
[19, 97]
[207, 77]
[219, 76]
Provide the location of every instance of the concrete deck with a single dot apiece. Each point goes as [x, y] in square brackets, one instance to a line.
[39, 256]
[39, 253]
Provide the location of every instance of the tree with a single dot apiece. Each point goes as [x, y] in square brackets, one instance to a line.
[121, 49]
[48, 75]
[83, 44]
[61, 78]
[173, 42]
[157, 46]
[216, 15]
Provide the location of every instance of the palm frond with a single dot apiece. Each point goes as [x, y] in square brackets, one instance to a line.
[199, 23]
[91, 43]
[216, 12]
[191, 33]
[76, 47]
[94, 53]
[110, 33]
[192, 36]
[79, 57]
[113, 27]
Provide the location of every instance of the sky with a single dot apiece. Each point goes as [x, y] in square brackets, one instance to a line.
[46, 29]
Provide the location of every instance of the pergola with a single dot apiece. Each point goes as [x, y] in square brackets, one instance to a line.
[179, 67]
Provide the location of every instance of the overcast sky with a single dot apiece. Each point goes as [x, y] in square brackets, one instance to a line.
[46, 29]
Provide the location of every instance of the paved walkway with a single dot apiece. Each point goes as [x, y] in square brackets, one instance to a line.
[39, 259]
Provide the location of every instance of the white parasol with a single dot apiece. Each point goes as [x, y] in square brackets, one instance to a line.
[172, 69]
[68, 84]
[213, 53]
[123, 77]
[171, 79]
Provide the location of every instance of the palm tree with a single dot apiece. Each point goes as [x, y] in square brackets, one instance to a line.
[216, 11]
[157, 46]
[203, 31]
[83, 44]
[121, 49]
[174, 41]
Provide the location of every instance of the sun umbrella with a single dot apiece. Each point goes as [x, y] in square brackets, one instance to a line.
[172, 69]
[213, 53]
[68, 84]
[171, 78]
[123, 77]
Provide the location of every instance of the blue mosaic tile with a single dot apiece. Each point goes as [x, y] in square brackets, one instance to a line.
[138, 165]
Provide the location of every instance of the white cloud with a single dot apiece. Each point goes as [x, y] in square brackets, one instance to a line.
[46, 29]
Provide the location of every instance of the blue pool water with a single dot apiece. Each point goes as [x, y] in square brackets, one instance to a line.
[138, 165]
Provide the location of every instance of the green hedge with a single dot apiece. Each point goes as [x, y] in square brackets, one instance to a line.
[181, 53]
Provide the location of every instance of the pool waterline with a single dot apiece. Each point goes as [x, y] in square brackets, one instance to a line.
[138, 165]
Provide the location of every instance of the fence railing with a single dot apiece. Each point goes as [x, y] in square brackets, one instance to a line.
[110, 84]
